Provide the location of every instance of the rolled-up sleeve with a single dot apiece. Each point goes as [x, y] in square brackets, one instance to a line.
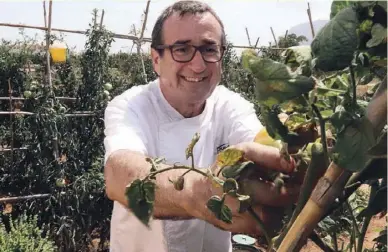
[123, 128]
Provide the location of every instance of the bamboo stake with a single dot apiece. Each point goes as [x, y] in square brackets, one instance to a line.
[20, 198]
[257, 41]
[259, 48]
[75, 114]
[102, 18]
[140, 41]
[44, 13]
[310, 20]
[23, 99]
[115, 35]
[11, 118]
[95, 18]
[332, 183]
[273, 35]
[13, 149]
[249, 39]
[49, 78]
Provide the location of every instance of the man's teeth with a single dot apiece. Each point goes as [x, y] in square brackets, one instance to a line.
[193, 79]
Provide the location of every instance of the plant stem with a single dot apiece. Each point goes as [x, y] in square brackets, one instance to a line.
[335, 241]
[357, 232]
[176, 167]
[367, 219]
[323, 130]
[262, 227]
[364, 228]
[354, 89]
[320, 243]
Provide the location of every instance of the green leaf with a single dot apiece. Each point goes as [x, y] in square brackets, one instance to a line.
[229, 157]
[295, 105]
[353, 143]
[230, 184]
[298, 58]
[334, 46]
[245, 202]
[383, 4]
[376, 169]
[366, 26]
[366, 79]
[141, 196]
[275, 82]
[379, 34]
[220, 210]
[233, 171]
[275, 128]
[295, 121]
[380, 149]
[337, 6]
[324, 91]
[189, 149]
[149, 191]
[377, 203]
[327, 113]
[340, 120]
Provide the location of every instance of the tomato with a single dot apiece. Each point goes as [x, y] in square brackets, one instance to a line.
[27, 94]
[108, 86]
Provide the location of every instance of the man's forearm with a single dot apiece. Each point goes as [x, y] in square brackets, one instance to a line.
[125, 166]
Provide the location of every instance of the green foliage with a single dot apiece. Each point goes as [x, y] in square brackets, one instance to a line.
[23, 235]
[64, 155]
[275, 83]
[141, 197]
[291, 40]
[218, 207]
[337, 6]
[334, 45]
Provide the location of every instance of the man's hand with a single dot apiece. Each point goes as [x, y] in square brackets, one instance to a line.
[267, 200]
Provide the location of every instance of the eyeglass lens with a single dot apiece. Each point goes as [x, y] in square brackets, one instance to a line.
[210, 53]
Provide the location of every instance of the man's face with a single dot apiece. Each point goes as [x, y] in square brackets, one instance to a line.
[194, 81]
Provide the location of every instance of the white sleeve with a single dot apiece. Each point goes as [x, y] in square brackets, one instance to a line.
[244, 123]
[122, 128]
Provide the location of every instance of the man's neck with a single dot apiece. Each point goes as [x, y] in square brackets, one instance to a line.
[187, 110]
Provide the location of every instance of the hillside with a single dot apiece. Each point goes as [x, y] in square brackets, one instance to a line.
[305, 30]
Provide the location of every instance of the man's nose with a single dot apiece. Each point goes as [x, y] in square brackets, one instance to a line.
[197, 64]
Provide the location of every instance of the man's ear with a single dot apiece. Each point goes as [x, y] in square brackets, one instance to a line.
[155, 60]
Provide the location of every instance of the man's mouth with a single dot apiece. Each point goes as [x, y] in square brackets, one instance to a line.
[193, 79]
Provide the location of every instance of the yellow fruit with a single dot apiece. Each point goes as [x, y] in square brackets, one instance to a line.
[262, 137]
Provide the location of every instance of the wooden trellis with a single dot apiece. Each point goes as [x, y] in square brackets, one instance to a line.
[137, 40]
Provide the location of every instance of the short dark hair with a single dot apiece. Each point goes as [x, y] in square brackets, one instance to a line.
[182, 7]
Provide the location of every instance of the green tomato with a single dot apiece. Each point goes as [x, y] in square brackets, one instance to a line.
[60, 182]
[108, 86]
[27, 94]
[106, 93]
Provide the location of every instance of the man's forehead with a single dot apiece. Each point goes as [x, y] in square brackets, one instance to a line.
[181, 28]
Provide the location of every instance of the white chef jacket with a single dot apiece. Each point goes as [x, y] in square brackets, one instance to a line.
[141, 119]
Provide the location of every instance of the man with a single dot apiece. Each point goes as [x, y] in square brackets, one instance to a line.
[159, 120]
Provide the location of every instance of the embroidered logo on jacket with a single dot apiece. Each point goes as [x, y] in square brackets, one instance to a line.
[222, 147]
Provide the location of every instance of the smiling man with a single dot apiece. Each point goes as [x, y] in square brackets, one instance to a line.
[160, 118]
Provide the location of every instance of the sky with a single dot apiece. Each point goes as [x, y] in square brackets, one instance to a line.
[120, 16]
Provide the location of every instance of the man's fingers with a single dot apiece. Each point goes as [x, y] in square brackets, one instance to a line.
[266, 193]
[266, 156]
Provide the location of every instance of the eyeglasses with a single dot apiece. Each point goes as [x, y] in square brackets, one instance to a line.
[184, 53]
